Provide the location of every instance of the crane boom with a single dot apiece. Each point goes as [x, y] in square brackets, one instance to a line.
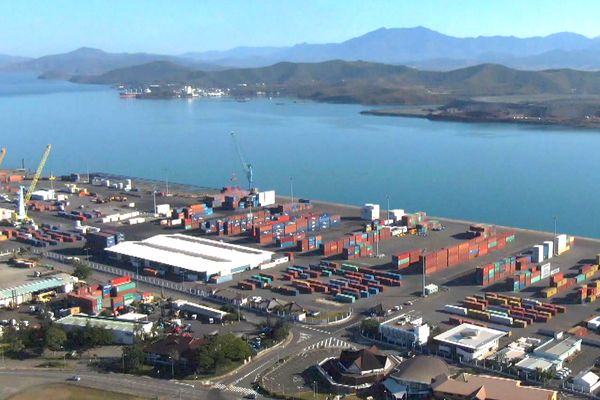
[2, 155]
[247, 167]
[38, 174]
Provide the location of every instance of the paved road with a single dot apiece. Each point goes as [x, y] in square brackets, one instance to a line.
[305, 337]
[142, 386]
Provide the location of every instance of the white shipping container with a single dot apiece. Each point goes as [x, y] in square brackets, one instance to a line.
[499, 319]
[537, 253]
[455, 309]
[545, 270]
[369, 212]
[397, 214]
[554, 271]
[560, 244]
[266, 198]
[163, 209]
[549, 248]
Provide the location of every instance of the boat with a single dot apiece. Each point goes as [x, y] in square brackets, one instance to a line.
[127, 94]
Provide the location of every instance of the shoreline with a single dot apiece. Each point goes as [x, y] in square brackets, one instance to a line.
[194, 191]
[479, 120]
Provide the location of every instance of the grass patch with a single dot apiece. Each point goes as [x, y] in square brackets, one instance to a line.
[52, 364]
[64, 391]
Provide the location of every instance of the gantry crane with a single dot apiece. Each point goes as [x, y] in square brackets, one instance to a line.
[2, 155]
[24, 199]
[248, 170]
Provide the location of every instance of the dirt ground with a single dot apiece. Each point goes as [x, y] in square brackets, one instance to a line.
[63, 391]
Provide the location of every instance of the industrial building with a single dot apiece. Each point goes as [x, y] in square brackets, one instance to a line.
[13, 296]
[405, 330]
[123, 331]
[469, 342]
[204, 312]
[196, 257]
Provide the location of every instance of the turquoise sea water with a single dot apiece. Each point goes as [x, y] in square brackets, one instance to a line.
[501, 173]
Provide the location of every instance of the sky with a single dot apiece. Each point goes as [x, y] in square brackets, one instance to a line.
[40, 27]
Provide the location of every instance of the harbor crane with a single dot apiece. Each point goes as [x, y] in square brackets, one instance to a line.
[21, 215]
[2, 155]
[248, 170]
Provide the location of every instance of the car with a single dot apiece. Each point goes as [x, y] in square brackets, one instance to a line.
[397, 308]
[408, 303]
[75, 378]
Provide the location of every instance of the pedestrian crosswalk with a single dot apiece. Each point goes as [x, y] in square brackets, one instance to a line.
[329, 342]
[234, 389]
[315, 329]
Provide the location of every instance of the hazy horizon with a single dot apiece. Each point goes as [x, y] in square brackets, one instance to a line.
[192, 26]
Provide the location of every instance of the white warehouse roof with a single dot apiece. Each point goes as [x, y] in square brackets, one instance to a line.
[469, 336]
[193, 253]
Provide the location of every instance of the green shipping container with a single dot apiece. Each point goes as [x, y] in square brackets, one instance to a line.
[404, 261]
[126, 286]
[580, 278]
[536, 279]
[492, 244]
[510, 239]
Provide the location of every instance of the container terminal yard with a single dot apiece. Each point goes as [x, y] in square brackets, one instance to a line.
[315, 261]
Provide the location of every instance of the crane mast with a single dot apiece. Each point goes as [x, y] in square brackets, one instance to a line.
[38, 173]
[2, 155]
[247, 167]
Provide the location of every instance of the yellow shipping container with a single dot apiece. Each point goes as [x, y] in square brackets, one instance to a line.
[590, 274]
[595, 268]
[597, 283]
[591, 298]
[3, 238]
[491, 295]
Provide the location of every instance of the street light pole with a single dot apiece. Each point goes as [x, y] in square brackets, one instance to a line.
[388, 207]
[424, 269]
[292, 189]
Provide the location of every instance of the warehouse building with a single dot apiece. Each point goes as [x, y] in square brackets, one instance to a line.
[195, 257]
[123, 331]
[13, 296]
[202, 312]
[469, 342]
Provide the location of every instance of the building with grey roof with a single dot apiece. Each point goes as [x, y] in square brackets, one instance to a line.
[13, 296]
[123, 331]
[414, 376]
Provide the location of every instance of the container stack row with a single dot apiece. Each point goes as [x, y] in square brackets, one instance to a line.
[452, 256]
[505, 310]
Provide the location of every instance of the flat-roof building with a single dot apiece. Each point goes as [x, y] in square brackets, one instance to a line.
[123, 331]
[13, 296]
[559, 349]
[405, 330]
[190, 255]
[199, 310]
[469, 342]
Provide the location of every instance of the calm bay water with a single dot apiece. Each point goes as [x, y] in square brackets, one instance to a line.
[507, 174]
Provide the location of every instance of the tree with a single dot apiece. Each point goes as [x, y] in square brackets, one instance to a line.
[97, 336]
[280, 331]
[221, 351]
[370, 327]
[133, 357]
[55, 338]
[82, 271]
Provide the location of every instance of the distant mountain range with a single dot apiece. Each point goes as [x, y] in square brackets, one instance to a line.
[7, 60]
[89, 61]
[363, 82]
[424, 48]
[418, 47]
